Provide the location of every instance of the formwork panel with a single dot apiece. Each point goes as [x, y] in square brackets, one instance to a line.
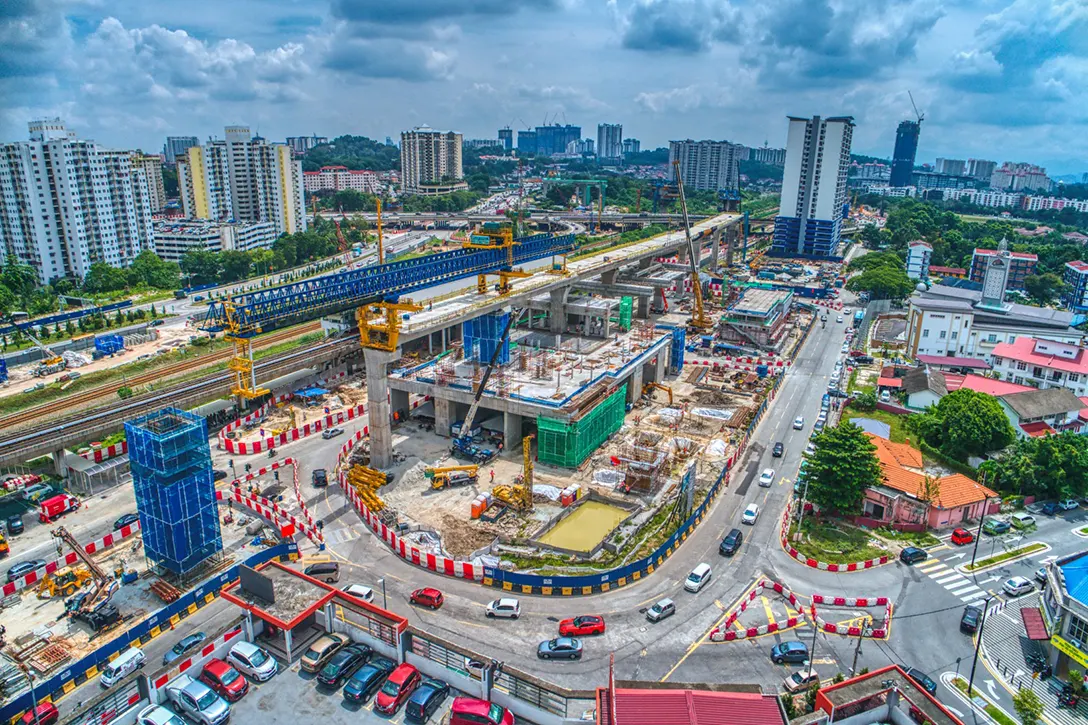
[569, 444]
[175, 489]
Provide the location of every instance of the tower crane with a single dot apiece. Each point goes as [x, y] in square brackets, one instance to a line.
[699, 320]
[921, 116]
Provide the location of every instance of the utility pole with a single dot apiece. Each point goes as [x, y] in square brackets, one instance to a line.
[857, 650]
[978, 644]
[981, 518]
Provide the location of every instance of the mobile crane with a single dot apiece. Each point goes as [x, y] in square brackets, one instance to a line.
[449, 476]
[93, 607]
[699, 320]
[51, 362]
[463, 447]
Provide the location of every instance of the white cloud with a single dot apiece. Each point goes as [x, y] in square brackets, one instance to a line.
[674, 100]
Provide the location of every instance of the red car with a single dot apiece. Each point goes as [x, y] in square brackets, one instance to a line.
[962, 536]
[47, 715]
[224, 680]
[581, 626]
[398, 687]
[428, 597]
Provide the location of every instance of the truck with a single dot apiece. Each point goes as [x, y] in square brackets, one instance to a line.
[56, 506]
[859, 317]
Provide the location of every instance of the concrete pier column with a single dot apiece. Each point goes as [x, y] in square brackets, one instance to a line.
[715, 246]
[445, 341]
[443, 416]
[645, 262]
[643, 311]
[609, 277]
[511, 432]
[377, 395]
[682, 254]
[662, 366]
[60, 462]
[730, 244]
[557, 312]
[634, 385]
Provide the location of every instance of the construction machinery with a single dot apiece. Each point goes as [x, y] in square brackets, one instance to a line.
[699, 320]
[51, 362]
[342, 244]
[496, 235]
[104, 584]
[650, 387]
[63, 582]
[4, 548]
[463, 447]
[366, 482]
[450, 476]
[519, 495]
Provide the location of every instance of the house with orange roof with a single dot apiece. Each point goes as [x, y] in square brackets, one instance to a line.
[909, 500]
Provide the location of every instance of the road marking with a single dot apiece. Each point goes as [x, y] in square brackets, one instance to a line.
[945, 578]
[767, 609]
[956, 556]
[706, 635]
[992, 689]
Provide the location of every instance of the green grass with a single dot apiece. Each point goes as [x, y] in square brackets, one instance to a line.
[1005, 556]
[1083, 531]
[914, 538]
[898, 426]
[997, 715]
[835, 543]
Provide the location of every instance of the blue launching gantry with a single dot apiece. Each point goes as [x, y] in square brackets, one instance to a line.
[369, 290]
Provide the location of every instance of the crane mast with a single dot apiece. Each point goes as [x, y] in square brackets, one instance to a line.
[699, 319]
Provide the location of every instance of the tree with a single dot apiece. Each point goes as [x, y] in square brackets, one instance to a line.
[964, 423]
[929, 489]
[840, 470]
[882, 282]
[788, 705]
[864, 401]
[102, 277]
[1029, 708]
[124, 392]
[151, 270]
[1043, 287]
[202, 266]
[235, 264]
[1054, 466]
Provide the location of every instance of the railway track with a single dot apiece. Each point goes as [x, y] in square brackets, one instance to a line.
[67, 403]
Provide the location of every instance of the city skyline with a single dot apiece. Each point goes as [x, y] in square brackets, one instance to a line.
[994, 79]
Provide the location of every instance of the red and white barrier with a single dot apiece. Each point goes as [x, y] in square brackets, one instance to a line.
[433, 562]
[816, 564]
[271, 510]
[724, 632]
[70, 559]
[878, 631]
[104, 454]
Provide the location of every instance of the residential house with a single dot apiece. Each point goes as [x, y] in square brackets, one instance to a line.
[927, 389]
[1036, 413]
[1043, 364]
[923, 387]
[904, 500]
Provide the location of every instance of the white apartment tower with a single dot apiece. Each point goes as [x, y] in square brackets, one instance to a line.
[66, 203]
[243, 178]
[706, 165]
[814, 187]
[152, 166]
[610, 141]
[430, 161]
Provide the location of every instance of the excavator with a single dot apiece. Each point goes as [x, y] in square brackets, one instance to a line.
[450, 476]
[94, 607]
[519, 495]
[650, 387]
[463, 447]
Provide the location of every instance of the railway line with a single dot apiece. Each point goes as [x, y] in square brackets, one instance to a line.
[38, 412]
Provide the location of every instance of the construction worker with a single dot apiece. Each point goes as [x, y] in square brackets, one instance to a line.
[492, 475]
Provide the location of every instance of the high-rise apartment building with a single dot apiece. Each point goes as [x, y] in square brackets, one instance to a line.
[981, 169]
[906, 149]
[302, 144]
[706, 165]
[581, 147]
[526, 142]
[66, 203]
[814, 186]
[506, 139]
[1020, 177]
[610, 141]
[152, 166]
[553, 138]
[631, 146]
[952, 167]
[1020, 265]
[243, 178]
[177, 146]
[769, 156]
[430, 161]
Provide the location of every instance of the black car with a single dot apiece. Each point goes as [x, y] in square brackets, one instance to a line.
[186, 645]
[319, 478]
[731, 543]
[218, 474]
[912, 555]
[970, 620]
[425, 700]
[15, 525]
[922, 679]
[1051, 509]
[344, 664]
[125, 521]
[364, 683]
[778, 450]
[23, 568]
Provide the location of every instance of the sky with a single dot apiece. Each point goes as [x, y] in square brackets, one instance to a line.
[996, 79]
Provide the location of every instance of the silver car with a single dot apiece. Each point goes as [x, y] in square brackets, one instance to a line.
[197, 701]
[661, 610]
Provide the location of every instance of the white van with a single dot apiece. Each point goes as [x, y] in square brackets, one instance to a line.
[123, 665]
[698, 578]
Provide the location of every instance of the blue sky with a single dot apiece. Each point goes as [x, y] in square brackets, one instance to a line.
[997, 79]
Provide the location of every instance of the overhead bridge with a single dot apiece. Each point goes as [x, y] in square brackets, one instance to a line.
[255, 312]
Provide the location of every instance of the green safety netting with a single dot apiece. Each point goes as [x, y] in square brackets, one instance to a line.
[626, 303]
[568, 444]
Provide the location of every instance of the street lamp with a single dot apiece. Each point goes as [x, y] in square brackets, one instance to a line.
[33, 698]
[385, 600]
[978, 644]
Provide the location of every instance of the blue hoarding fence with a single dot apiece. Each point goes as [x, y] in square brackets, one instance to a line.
[164, 620]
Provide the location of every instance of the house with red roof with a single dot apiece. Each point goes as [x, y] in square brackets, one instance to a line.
[1042, 364]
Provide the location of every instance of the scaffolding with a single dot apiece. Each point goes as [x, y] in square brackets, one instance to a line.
[676, 358]
[626, 305]
[483, 334]
[570, 444]
[644, 461]
[175, 491]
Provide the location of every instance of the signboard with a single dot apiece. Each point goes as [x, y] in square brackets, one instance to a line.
[1069, 650]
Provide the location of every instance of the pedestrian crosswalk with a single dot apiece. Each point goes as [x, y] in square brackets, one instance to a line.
[955, 583]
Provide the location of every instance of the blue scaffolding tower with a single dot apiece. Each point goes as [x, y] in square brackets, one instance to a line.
[676, 357]
[175, 491]
[482, 334]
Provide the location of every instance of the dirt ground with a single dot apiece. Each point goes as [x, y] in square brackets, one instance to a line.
[170, 338]
[278, 419]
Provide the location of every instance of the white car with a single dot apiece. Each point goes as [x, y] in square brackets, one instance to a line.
[158, 715]
[750, 514]
[766, 478]
[801, 680]
[505, 607]
[332, 433]
[822, 417]
[254, 661]
[1068, 505]
[810, 449]
[845, 348]
[1017, 586]
[885, 397]
[799, 422]
[360, 592]
[838, 319]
